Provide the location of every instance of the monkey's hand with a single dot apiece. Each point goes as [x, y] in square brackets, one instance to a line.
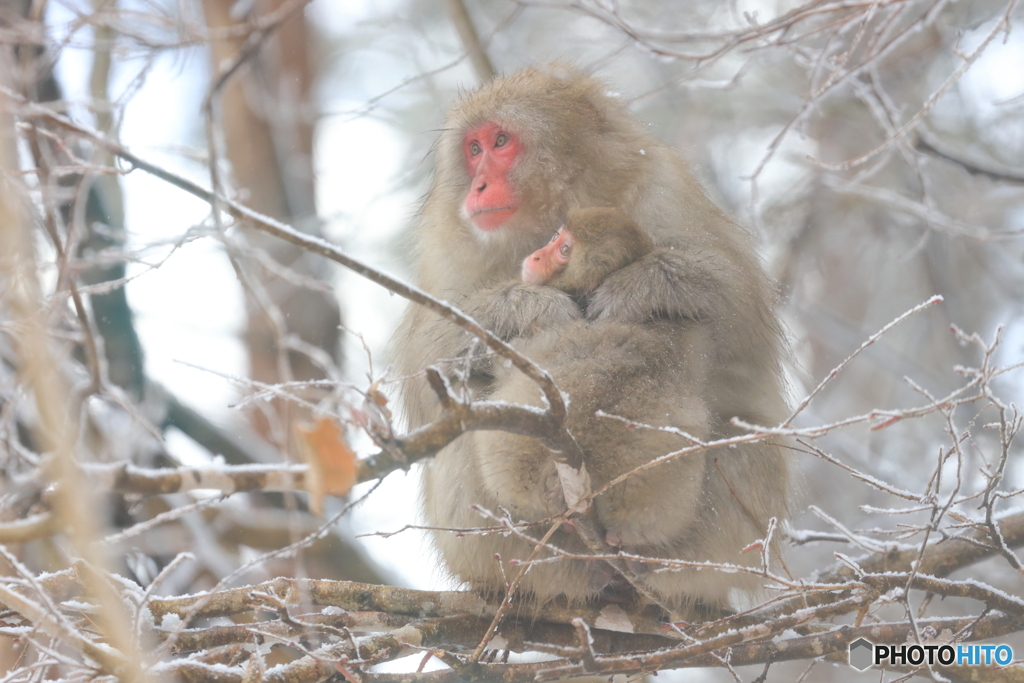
[674, 284]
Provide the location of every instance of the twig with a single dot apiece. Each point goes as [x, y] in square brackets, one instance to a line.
[846, 361]
[968, 60]
[29, 528]
[930, 144]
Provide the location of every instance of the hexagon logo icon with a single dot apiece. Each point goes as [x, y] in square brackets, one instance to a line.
[861, 654]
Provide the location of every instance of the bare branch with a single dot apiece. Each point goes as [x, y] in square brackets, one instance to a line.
[470, 39]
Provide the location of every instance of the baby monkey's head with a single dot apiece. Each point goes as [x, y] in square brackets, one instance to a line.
[592, 245]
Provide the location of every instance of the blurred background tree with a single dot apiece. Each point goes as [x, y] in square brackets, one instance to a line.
[876, 147]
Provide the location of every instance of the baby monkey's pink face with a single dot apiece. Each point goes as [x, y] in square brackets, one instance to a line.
[543, 264]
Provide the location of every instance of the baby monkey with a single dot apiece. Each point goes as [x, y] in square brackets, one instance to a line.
[593, 244]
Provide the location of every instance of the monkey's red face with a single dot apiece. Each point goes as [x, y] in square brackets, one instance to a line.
[491, 152]
[543, 264]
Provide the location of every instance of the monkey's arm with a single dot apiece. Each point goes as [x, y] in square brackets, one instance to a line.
[674, 284]
[514, 310]
[511, 310]
[519, 309]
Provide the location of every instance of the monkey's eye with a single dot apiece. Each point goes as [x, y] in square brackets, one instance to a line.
[564, 250]
[501, 139]
[554, 237]
[475, 148]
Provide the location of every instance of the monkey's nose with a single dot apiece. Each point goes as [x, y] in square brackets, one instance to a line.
[482, 188]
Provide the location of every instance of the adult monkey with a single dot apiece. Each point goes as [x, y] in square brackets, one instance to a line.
[512, 160]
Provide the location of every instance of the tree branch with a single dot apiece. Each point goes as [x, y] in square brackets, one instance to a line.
[471, 40]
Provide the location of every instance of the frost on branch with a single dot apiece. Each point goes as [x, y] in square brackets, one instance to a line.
[874, 147]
